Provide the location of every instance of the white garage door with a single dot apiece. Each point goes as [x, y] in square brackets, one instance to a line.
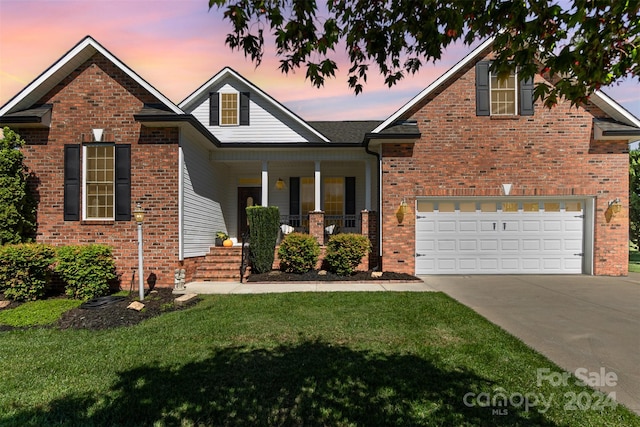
[499, 237]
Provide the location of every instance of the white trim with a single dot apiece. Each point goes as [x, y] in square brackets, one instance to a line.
[87, 46]
[440, 80]
[613, 109]
[204, 89]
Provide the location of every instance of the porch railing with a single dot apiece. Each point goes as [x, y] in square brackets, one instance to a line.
[340, 223]
[300, 223]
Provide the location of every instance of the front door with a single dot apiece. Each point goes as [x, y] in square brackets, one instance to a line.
[247, 196]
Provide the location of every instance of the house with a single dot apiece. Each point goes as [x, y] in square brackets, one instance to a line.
[469, 177]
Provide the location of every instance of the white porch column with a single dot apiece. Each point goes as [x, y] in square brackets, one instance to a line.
[317, 182]
[265, 183]
[367, 185]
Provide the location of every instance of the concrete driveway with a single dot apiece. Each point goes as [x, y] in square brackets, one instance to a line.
[585, 323]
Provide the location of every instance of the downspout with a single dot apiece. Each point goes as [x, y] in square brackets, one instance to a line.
[180, 201]
[379, 202]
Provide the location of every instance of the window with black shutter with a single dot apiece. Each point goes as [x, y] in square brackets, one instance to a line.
[502, 97]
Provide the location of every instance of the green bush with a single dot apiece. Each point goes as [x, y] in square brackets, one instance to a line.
[345, 251]
[87, 270]
[17, 206]
[24, 270]
[298, 253]
[264, 223]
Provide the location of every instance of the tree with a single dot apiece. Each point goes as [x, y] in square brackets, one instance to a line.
[582, 45]
[634, 196]
[17, 211]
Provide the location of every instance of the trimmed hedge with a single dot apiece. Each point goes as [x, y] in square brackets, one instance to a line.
[24, 270]
[87, 270]
[298, 253]
[345, 251]
[264, 223]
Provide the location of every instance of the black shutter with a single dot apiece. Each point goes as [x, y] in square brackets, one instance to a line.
[526, 97]
[294, 201]
[214, 109]
[294, 195]
[123, 182]
[350, 195]
[244, 108]
[72, 182]
[483, 98]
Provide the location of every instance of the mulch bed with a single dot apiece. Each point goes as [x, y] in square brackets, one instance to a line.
[325, 276]
[114, 314]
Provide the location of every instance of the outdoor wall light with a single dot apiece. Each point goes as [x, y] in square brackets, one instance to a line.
[615, 205]
[280, 185]
[402, 210]
[97, 134]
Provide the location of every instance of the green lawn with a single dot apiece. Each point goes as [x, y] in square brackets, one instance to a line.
[335, 359]
[634, 259]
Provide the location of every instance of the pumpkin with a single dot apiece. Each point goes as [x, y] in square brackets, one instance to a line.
[227, 243]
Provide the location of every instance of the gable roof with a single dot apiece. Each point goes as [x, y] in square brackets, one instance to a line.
[64, 66]
[599, 98]
[195, 98]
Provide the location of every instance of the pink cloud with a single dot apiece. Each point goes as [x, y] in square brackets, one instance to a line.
[178, 45]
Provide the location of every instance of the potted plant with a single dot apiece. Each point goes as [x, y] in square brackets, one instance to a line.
[221, 236]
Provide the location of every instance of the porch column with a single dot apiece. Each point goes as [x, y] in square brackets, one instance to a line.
[265, 184]
[317, 182]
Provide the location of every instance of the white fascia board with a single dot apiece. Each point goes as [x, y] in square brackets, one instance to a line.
[440, 80]
[87, 43]
[229, 71]
[613, 109]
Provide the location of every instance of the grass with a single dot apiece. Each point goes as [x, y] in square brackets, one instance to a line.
[339, 359]
[634, 259]
[37, 313]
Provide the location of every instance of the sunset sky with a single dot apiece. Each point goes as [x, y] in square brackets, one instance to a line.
[177, 45]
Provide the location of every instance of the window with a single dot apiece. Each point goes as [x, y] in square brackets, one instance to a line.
[99, 185]
[228, 109]
[102, 177]
[508, 97]
[503, 95]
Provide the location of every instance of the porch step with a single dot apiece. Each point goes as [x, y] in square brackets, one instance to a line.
[221, 264]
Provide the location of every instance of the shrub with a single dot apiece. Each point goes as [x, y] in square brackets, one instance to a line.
[345, 251]
[17, 206]
[264, 223]
[24, 270]
[87, 271]
[298, 253]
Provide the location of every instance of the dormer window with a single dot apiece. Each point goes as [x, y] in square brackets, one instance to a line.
[229, 108]
[506, 97]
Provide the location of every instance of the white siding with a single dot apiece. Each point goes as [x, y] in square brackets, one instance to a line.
[267, 124]
[203, 200]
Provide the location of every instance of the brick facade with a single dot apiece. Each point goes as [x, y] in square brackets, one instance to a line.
[100, 95]
[460, 154]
